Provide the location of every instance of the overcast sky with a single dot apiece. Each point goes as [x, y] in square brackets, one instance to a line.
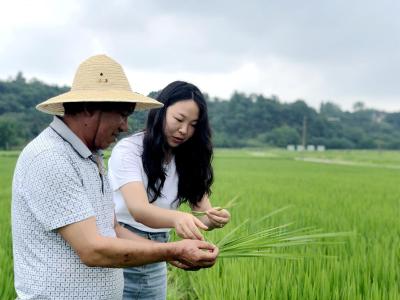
[339, 51]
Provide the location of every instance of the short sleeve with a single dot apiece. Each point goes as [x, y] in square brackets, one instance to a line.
[54, 191]
[125, 164]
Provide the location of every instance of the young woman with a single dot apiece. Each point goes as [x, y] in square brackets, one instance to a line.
[154, 171]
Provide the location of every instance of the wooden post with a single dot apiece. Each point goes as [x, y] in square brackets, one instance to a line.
[304, 137]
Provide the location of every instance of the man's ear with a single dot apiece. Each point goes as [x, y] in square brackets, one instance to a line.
[90, 117]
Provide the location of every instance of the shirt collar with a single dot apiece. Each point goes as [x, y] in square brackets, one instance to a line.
[68, 135]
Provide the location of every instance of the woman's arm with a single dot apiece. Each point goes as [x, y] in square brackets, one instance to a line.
[135, 196]
[214, 218]
[95, 250]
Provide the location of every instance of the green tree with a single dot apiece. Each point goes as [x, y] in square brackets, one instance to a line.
[9, 133]
[281, 136]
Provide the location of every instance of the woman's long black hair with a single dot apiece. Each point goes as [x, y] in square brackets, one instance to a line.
[192, 158]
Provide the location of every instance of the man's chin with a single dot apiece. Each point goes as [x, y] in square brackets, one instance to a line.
[104, 146]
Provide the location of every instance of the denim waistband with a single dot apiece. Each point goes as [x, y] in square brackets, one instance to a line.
[154, 236]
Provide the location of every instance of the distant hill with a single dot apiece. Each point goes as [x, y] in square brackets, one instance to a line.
[241, 121]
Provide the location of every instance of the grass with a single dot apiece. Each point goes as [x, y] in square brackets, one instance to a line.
[364, 199]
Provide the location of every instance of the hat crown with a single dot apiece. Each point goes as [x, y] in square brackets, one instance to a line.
[100, 72]
[98, 79]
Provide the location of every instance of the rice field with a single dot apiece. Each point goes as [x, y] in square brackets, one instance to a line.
[7, 163]
[337, 191]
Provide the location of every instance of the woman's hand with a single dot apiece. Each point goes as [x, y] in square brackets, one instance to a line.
[218, 218]
[187, 226]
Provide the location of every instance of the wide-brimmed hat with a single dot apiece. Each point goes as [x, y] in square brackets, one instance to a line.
[98, 79]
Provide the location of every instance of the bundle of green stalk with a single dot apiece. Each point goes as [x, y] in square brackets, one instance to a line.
[273, 241]
[230, 204]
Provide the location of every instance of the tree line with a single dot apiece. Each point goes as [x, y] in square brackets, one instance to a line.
[244, 120]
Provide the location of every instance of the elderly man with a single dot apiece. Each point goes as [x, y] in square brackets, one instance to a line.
[66, 242]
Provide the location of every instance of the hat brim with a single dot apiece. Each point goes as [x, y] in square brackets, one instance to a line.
[54, 106]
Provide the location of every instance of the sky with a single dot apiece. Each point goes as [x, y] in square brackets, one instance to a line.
[316, 51]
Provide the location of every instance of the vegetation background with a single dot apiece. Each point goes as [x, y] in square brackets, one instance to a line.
[243, 121]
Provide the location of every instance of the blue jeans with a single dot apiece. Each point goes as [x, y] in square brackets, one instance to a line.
[148, 281]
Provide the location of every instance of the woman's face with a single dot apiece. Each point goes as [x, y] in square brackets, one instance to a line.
[180, 122]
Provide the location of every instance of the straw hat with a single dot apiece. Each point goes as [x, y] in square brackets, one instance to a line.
[98, 79]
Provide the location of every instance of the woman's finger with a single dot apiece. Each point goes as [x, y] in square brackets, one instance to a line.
[185, 233]
[195, 231]
[216, 219]
[219, 213]
[200, 224]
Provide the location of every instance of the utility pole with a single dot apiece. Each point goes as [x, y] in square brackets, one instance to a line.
[304, 137]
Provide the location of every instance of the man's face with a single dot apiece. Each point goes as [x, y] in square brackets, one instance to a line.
[111, 124]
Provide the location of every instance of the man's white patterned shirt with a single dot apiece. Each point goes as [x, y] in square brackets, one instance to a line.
[56, 183]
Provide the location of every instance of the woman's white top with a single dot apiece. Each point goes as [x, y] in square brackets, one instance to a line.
[125, 166]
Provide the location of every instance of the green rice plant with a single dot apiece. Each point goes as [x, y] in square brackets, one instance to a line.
[229, 204]
[267, 242]
[7, 163]
[337, 198]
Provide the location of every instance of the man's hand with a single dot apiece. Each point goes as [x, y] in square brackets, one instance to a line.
[182, 266]
[194, 254]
